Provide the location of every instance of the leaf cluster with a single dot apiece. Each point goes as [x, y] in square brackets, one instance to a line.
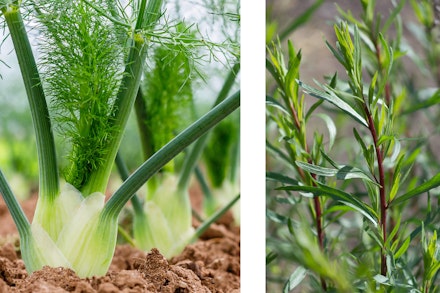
[168, 90]
[81, 64]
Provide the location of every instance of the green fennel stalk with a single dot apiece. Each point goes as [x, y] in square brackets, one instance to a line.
[166, 220]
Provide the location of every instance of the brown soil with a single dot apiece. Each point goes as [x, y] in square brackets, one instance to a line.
[211, 264]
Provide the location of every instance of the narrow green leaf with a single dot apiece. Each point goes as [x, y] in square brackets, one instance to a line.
[394, 13]
[295, 279]
[395, 187]
[276, 151]
[335, 100]
[280, 178]
[357, 57]
[276, 217]
[328, 159]
[290, 85]
[343, 172]
[331, 128]
[336, 53]
[382, 280]
[270, 257]
[433, 100]
[313, 108]
[339, 195]
[393, 232]
[272, 68]
[372, 88]
[428, 185]
[270, 101]
[387, 63]
[360, 141]
[318, 170]
[300, 20]
[403, 248]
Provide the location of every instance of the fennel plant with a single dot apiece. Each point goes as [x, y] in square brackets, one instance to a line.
[90, 68]
[163, 219]
[166, 223]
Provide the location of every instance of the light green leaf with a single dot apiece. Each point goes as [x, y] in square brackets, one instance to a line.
[402, 248]
[396, 185]
[295, 279]
[387, 63]
[381, 279]
[335, 100]
[428, 185]
[331, 128]
[291, 87]
[393, 233]
[342, 172]
[394, 13]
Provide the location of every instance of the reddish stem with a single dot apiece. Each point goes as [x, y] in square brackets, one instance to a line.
[319, 228]
[382, 195]
[316, 202]
[320, 231]
[295, 117]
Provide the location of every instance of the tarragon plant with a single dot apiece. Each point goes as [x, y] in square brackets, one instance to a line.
[353, 201]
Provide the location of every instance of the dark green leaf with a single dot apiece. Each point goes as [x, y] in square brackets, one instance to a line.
[428, 185]
[270, 101]
[336, 53]
[300, 20]
[280, 178]
[433, 100]
[343, 197]
[313, 108]
[276, 151]
[270, 257]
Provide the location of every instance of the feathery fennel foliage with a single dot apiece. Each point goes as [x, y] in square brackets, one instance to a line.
[167, 92]
[82, 65]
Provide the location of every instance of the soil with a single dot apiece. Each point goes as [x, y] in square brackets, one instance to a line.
[212, 264]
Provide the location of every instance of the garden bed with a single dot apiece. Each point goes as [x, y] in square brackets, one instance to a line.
[212, 264]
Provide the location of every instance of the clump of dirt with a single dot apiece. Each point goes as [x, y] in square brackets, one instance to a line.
[211, 264]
